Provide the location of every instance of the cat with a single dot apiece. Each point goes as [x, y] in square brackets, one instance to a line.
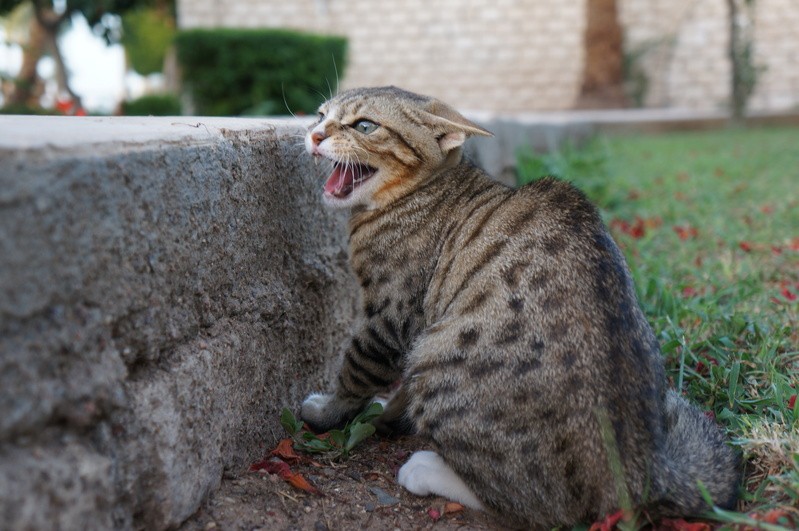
[511, 319]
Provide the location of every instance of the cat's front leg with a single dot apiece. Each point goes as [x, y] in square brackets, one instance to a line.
[370, 366]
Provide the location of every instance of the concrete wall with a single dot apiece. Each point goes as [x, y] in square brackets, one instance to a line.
[166, 287]
[518, 56]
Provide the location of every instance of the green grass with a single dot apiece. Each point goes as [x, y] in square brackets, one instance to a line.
[709, 223]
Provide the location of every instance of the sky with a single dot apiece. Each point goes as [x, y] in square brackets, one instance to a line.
[97, 70]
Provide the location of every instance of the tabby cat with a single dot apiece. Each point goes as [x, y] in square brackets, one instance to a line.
[511, 319]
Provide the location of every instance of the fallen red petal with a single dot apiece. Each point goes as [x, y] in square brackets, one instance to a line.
[792, 402]
[638, 229]
[679, 524]
[686, 232]
[272, 465]
[452, 507]
[298, 481]
[788, 294]
[745, 246]
[285, 451]
[608, 523]
[777, 517]
[434, 514]
[279, 467]
[689, 291]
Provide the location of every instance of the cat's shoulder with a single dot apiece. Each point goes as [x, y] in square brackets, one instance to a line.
[559, 198]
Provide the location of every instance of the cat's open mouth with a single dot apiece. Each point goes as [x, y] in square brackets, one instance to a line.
[346, 177]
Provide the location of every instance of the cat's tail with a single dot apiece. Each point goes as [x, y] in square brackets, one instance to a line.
[695, 451]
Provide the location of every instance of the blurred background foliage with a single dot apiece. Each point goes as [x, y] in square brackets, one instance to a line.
[147, 35]
[254, 72]
[218, 72]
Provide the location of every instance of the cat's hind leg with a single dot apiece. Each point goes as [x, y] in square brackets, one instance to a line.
[427, 473]
[395, 420]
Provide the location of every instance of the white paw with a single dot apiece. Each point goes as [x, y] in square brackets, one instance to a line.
[416, 473]
[315, 406]
[427, 473]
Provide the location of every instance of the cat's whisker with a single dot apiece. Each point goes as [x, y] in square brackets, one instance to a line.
[286, 103]
[329, 88]
[335, 69]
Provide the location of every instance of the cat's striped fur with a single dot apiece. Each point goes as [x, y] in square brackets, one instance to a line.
[511, 318]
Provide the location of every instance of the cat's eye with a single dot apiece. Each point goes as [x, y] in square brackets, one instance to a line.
[365, 126]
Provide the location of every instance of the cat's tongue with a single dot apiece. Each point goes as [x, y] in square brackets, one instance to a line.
[345, 178]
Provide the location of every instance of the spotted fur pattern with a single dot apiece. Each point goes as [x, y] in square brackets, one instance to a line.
[512, 321]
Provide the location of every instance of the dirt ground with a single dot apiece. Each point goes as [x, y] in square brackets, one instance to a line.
[360, 493]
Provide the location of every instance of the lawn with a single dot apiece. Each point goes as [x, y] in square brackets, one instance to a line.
[709, 222]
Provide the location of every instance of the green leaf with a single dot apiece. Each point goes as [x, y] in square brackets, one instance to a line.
[289, 422]
[338, 437]
[733, 389]
[374, 410]
[358, 432]
[316, 446]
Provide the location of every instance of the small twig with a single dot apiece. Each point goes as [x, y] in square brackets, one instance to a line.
[196, 126]
[289, 496]
[324, 514]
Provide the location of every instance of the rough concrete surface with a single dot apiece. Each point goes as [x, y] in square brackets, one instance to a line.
[166, 287]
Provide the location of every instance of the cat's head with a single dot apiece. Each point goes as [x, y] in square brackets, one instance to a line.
[383, 142]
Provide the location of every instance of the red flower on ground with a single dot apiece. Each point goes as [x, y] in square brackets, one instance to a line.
[689, 291]
[609, 522]
[687, 232]
[792, 402]
[746, 246]
[679, 524]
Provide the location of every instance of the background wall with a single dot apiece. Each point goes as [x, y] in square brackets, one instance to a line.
[515, 55]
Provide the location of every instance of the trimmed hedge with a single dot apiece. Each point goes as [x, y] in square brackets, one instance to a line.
[232, 72]
[152, 105]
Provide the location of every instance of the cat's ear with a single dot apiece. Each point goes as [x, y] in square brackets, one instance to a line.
[452, 128]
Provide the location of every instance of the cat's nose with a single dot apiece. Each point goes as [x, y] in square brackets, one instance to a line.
[317, 137]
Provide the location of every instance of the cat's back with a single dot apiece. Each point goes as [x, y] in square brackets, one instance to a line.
[536, 328]
[542, 237]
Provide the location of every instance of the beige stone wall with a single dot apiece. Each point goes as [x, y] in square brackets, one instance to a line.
[527, 55]
[682, 48]
[501, 55]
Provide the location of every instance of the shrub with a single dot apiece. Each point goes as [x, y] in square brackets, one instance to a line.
[152, 105]
[147, 33]
[233, 72]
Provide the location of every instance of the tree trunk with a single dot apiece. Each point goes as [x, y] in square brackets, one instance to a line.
[23, 92]
[744, 72]
[603, 80]
[51, 23]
